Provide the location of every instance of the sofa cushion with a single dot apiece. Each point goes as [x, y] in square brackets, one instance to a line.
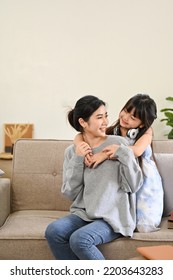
[164, 234]
[29, 224]
[22, 236]
[37, 175]
[4, 199]
[165, 166]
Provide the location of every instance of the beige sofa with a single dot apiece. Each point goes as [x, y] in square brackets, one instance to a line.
[31, 199]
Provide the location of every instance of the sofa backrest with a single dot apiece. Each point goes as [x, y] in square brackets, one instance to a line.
[37, 175]
[163, 146]
[163, 154]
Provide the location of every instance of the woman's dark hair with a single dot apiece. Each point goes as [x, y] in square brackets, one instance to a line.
[145, 110]
[84, 108]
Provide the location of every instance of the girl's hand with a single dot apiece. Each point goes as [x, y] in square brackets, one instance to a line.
[98, 158]
[110, 151]
[78, 139]
[83, 149]
[106, 153]
[88, 159]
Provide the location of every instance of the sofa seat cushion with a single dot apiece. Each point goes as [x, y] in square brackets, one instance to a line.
[28, 224]
[163, 234]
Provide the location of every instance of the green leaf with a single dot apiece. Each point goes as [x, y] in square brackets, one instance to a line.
[169, 115]
[170, 123]
[163, 120]
[169, 98]
[170, 135]
[166, 109]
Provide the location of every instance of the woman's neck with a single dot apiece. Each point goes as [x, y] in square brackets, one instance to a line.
[94, 141]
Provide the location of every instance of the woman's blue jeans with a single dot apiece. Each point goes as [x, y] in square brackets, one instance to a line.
[71, 238]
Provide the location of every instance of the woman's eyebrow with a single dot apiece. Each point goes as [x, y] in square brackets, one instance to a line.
[99, 115]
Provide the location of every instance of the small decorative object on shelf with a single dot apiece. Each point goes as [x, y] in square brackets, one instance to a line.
[14, 132]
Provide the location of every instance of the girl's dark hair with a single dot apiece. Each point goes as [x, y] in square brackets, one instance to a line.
[145, 110]
[84, 108]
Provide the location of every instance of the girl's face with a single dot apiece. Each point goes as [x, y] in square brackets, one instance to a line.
[128, 120]
[97, 123]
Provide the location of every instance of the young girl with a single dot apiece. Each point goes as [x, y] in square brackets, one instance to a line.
[104, 207]
[134, 123]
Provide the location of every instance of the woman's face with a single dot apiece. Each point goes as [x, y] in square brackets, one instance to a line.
[128, 120]
[97, 123]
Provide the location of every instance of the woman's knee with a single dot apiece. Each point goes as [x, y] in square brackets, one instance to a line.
[53, 231]
[50, 230]
[80, 239]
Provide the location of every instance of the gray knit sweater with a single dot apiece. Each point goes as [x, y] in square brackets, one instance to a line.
[107, 191]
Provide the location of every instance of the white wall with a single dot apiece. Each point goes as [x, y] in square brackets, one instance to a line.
[52, 52]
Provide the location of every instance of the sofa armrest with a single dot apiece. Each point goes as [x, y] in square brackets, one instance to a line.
[4, 199]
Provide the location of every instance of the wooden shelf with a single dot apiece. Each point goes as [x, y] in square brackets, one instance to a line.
[6, 156]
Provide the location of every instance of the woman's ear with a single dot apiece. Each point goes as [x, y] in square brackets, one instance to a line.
[81, 122]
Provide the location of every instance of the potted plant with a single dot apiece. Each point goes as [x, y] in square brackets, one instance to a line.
[169, 118]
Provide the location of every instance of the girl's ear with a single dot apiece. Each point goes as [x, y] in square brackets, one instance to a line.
[141, 126]
[81, 122]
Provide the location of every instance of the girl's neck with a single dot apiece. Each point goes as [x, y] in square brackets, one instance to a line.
[93, 141]
[123, 131]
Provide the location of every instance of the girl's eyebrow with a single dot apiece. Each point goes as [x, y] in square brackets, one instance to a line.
[135, 117]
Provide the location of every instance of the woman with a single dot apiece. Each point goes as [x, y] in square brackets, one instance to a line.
[104, 201]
